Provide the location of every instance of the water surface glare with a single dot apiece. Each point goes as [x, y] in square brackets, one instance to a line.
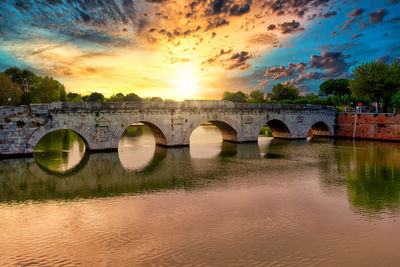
[278, 202]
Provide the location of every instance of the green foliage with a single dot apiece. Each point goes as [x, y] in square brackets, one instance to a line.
[95, 97]
[117, 97]
[132, 97]
[338, 87]
[395, 100]
[73, 97]
[284, 92]
[376, 81]
[8, 91]
[25, 80]
[265, 130]
[256, 96]
[47, 90]
[239, 96]
[286, 101]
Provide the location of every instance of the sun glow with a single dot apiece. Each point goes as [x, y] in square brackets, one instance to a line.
[185, 84]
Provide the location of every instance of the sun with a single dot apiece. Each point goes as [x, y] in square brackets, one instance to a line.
[185, 84]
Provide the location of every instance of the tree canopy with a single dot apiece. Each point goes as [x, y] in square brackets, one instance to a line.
[95, 97]
[284, 92]
[338, 87]
[10, 94]
[376, 80]
[48, 90]
[257, 96]
[239, 96]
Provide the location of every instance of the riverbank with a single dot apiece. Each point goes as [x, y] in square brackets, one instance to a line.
[373, 126]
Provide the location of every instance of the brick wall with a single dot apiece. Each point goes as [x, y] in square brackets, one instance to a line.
[369, 126]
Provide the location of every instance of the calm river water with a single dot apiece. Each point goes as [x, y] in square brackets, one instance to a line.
[315, 202]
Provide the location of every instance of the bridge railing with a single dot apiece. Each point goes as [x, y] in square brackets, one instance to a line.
[41, 109]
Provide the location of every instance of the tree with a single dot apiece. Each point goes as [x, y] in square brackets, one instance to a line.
[25, 79]
[284, 92]
[48, 90]
[257, 96]
[376, 80]
[395, 100]
[132, 97]
[8, 91]
[338, 87]
[73, 97]
[239, 96]
[117, 97]
[95, 97]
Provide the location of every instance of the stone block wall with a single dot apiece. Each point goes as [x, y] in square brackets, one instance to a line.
[384, 126]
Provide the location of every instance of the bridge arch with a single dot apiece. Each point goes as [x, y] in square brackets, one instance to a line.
[42, 132]
[159, 134]
[320, 128]
[228, 130]
[278, 128]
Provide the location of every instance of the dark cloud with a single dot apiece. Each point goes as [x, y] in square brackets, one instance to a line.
[327, 14]
[330, 65]
[333, 62]
[355, 13]
[216, 22]
[277, 73]
[92, 21]
[356, 36]
[22, 5]
[237, 10]
[395, 19]
[217, 7]
[216, 57]
[296, 7]
[377, 16]
[290, 27]
[238, 61]
[271, 27]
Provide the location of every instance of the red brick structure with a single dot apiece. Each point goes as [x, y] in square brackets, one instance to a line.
[384, 126]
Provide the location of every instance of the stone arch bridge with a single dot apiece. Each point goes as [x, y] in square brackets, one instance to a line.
[101, 124]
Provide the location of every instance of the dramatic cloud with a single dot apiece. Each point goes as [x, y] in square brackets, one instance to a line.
[290, 27]
[377, 16]
[327, 14]
[277, 73]
[217, 7]
[145, 46]
[355, 13]
[239, 61]
[297, 8]
[330, 64]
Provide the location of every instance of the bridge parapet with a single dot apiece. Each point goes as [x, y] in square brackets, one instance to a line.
[102, 124]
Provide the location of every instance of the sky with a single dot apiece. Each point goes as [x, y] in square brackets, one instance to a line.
[196, 49]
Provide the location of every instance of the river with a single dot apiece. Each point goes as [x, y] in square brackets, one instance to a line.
[278, 202]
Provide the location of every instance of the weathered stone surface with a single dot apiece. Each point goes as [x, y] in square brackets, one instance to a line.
[101, 124]
[369, 126]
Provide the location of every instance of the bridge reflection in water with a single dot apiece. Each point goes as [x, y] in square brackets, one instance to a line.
[368, 171]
